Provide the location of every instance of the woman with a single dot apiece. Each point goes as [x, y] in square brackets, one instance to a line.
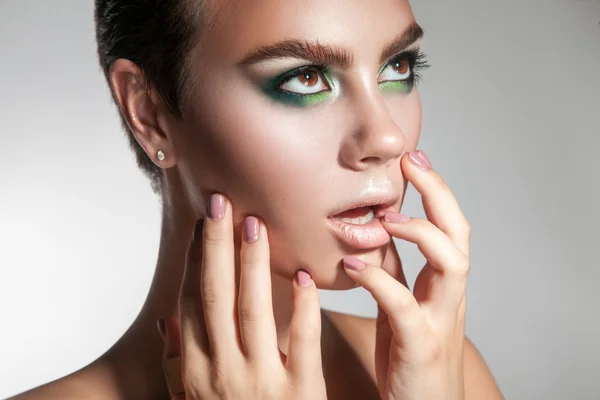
[289, 132]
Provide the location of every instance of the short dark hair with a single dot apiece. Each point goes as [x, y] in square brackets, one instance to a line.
[158, 36]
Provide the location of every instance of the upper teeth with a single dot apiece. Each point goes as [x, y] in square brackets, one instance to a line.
[360, 220]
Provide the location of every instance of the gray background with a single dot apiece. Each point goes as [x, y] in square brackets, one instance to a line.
[511, 120]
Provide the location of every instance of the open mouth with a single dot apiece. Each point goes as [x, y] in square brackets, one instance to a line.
[357, 216]
[358, 226]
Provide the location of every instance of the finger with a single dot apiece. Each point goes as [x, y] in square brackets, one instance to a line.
[218, 277]
[448, 264]
[304, 347]
[171, 359]
[406, 318]
[439, 203]
[255, 306]
[191, 317]
[393, 265]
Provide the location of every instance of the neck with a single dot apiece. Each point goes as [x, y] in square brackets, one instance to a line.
[140, 349]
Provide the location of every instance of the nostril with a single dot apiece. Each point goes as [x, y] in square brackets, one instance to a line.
[371, 160]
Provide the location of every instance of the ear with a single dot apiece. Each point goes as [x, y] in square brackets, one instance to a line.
[143, 111]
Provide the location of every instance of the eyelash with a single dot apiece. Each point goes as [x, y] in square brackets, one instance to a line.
[416, 59]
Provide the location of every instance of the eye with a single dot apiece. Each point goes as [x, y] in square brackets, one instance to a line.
[306, 82]
[396, 70]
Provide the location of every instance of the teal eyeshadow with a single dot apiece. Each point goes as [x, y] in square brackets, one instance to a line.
[273, 90]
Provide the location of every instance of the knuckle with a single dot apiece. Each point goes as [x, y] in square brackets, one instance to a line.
[190, 379]
[248, 315]
[220, 383]
[460, 266]
[403, 306]
[432, 353]
[209, 307]
[466, 228]
[210, 297]
[212, 240]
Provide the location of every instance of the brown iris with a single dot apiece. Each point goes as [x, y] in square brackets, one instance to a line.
[309, 78]
[401, 66]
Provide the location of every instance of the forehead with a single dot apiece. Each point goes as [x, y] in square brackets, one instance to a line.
[235, 27]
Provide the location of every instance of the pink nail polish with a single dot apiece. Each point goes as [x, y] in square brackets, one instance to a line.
[251, 229]
[303, 278]
[425, 158]
[353, 263]
[216, 207]
[416, 159]
[391, 216]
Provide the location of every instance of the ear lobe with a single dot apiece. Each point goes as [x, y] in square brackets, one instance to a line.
[140, 110]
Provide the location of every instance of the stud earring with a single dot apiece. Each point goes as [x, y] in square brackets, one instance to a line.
[160, 155]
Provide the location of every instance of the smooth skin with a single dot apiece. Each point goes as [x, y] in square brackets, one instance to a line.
[419, 338]
[291, 167]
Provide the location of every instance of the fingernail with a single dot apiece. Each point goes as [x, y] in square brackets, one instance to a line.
[160, 324]
[216, 207]
[416, 159]
[391, 216]
[425, 158]
[353, 263]
[251, 229]
[198, 228]
[303, 278]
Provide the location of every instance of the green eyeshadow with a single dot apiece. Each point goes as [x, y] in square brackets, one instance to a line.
[299, 100]
[273, 89]
[405, 86]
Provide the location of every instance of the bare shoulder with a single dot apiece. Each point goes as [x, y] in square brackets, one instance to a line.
[96, 381]
[360, 333]
[479, 381]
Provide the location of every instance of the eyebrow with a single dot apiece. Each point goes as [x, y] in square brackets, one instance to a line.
[410, 36]
[327, 54]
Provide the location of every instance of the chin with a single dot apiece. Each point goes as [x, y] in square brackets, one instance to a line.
[333, 277]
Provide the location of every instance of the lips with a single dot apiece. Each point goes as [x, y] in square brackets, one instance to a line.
[357, 216]
[358, 225]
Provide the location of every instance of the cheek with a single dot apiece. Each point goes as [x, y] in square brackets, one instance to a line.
[262, 154]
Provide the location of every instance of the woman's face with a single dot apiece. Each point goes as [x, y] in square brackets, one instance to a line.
[301, 110]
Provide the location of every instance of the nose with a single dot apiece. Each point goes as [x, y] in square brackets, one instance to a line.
[376, 139]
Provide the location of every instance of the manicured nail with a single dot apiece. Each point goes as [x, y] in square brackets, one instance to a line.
[303, 278]
[160, 324]
[251, 229]
[425, 158]
[216, 207]
[391, 216]
[416, 159]
[353, 263]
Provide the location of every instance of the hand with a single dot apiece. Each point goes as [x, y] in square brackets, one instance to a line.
[419, 342]
[229, 350]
